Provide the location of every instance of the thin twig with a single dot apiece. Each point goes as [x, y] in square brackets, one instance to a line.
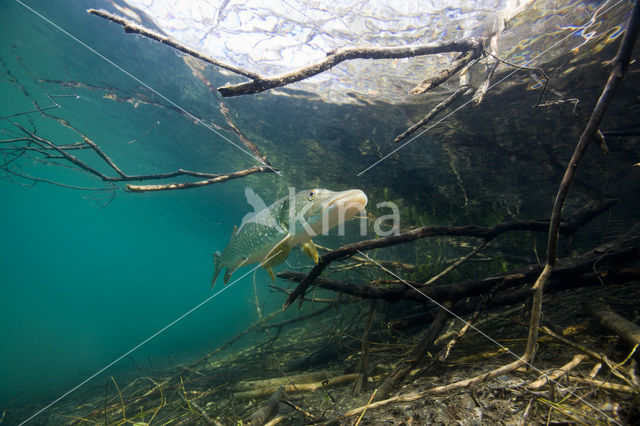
[225, 113]
[457, 263]
[364, 349]
[439, 107]
[536, 69]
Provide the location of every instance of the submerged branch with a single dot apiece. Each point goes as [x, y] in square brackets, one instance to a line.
[46, 152]
[470, 50]
[435, 111]
[620, 66]
[335, 57]
[546, 378]
[417, 395]
[461, 61]
[624, 328]
[187, 185]
[576, 273]
[296, 388]
[225, 113]
[589, 135]
[568, 227]
[539, 70]
[456, 263]
[47, 148]
[132, 27]
[425, 344]
[265, 412]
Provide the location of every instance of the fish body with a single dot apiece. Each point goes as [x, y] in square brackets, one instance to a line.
[269, 235]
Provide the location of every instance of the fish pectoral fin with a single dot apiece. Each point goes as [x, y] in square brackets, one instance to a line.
[227, 275]
[310, 250]
[278, 254]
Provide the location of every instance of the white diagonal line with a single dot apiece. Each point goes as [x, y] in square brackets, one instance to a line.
[130, 351]
[184, 111]
[495, 84]
[435, 302]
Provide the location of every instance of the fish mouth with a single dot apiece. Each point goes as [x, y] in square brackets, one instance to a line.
[351, 199]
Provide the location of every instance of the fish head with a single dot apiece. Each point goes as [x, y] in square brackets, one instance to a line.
[316, 211]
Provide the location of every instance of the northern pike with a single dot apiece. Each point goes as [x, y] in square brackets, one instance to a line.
[269, 235]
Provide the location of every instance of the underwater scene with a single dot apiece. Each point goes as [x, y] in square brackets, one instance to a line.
[358, 212]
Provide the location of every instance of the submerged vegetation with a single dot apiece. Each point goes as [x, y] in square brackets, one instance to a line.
[397, 328]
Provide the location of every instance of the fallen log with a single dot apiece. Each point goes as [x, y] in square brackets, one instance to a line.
[624, 328]
[567, 227]
[296, 388]
[268, 410]
[574, 273]
[247, 385]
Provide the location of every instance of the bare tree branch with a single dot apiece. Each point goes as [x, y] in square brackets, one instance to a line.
[462, 60]
[132, 27]
[46, 150]
[470, 50]
[574, 273]
[225, 113]
[335, 57]
[435, 111]
[187, 185]
[620, 65]
[569, 227]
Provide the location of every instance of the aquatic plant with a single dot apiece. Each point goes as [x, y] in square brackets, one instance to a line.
[198, 391]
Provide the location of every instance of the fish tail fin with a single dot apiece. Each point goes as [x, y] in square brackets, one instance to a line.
[216, 257]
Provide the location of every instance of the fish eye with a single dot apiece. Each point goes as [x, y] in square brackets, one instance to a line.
[311, 195]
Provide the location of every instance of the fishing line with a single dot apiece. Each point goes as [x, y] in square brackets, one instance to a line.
[486, 336]
[142, 343]
[184, 111]
[588, 23]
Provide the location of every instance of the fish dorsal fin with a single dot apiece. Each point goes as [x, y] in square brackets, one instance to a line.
[310, 250]
[278, 254]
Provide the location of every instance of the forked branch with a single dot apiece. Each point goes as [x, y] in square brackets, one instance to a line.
[470, 50]
[46, 150]
[569, 227]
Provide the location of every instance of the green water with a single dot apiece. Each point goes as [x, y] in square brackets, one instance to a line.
[87, 275]
[82, 283]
